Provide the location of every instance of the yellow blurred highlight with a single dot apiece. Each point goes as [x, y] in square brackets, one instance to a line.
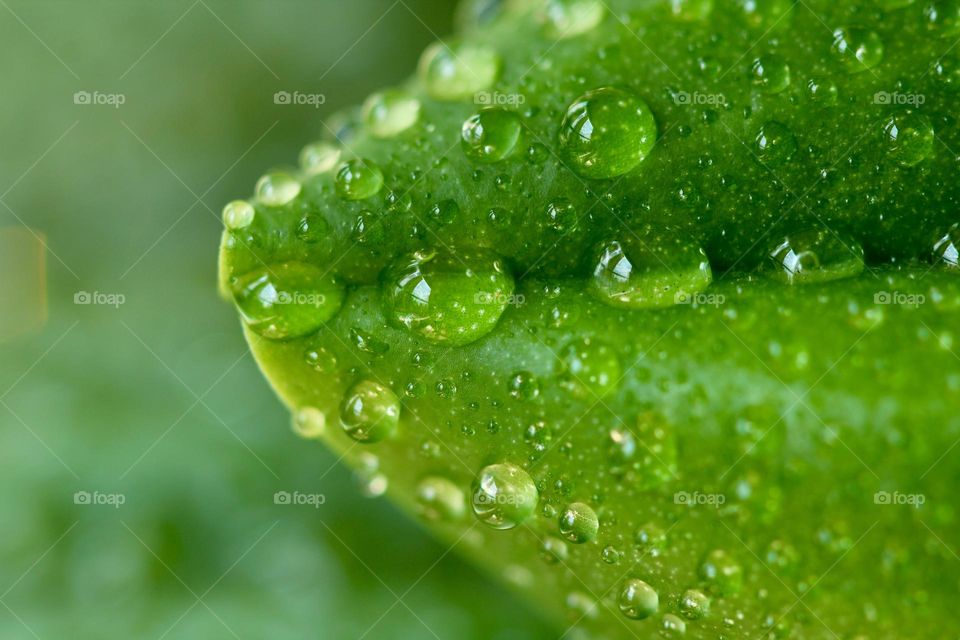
[23, 286]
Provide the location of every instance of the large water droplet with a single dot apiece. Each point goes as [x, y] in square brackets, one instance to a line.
[649, 269]
[910, 138]
[459, 71]
[579, 523]
[858, 49]
[288, 300]
[389, 113]
[491, 135]
[637, 599]
[359, 180]
[455, 299]
[815, 256]
[607, 133]
[370, 412]
[439, 499]
[504, 495]
[277, 189]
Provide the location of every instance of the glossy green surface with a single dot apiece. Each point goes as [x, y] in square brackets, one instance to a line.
[708, 388]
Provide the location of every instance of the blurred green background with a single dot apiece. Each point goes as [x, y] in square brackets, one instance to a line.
[155, 402]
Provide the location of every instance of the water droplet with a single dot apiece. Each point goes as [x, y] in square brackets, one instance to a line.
[370, 412]
[319, 157]
[312, 228]
[238, 214]
[946, 250]
[440, 499]
[858, 49]
[320, 360]
[694, 604]
[770, 73]
[722, 573]
[288, 300]
[611, 555]
[561, 216]
[910, 138]
[672, 626]
[579, 523]
[459, 71]
[455, 299]
[309, 422]
[775, 143]
[691, 10]
[389, 113]
[589, 368]
[523, 385]
[637, 599]
[553, 550]
[504, 495]
[822, 91]
[651, 538]
[358, 180]
[569, 18]
[649, 270]
[607, 133]
[944, 15]
[491, 135]
[277, 189]
[815, 256]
